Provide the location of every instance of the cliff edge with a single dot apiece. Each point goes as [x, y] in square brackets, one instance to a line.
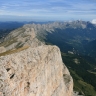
[36, 70]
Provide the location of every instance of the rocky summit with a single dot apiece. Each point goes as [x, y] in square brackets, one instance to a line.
[28, 67]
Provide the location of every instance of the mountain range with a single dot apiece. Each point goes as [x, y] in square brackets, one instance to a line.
[77, 43]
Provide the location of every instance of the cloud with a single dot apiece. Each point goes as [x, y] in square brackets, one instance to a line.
[49, 8]
[93, 21]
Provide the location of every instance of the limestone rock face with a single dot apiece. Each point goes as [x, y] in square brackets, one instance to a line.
[2, 49]
[30, 68]
[35, 71]
[20, 37]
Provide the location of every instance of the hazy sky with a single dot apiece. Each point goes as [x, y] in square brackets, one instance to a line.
[47, 10]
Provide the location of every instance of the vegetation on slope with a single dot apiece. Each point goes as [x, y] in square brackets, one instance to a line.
[14, 51]
[83, 80]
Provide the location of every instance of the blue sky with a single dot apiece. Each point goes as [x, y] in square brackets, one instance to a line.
[47, 10]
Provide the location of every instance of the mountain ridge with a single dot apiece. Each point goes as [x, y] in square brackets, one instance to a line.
[32, 71]
[69, 37]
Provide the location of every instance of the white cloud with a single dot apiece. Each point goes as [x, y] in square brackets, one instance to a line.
[93, 21]
[49, 8]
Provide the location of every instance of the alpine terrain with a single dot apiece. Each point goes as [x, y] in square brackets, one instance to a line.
[31, 63]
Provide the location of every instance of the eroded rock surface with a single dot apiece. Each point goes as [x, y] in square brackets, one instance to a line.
[2, 49]
[35, 72]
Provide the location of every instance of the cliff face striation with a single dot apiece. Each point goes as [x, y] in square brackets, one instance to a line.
[37, 70]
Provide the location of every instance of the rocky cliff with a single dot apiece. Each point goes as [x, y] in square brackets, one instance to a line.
[35, 70]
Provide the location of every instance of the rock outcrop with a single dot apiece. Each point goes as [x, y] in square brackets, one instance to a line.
[2, 49]
[35, 71]
[20, 37]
